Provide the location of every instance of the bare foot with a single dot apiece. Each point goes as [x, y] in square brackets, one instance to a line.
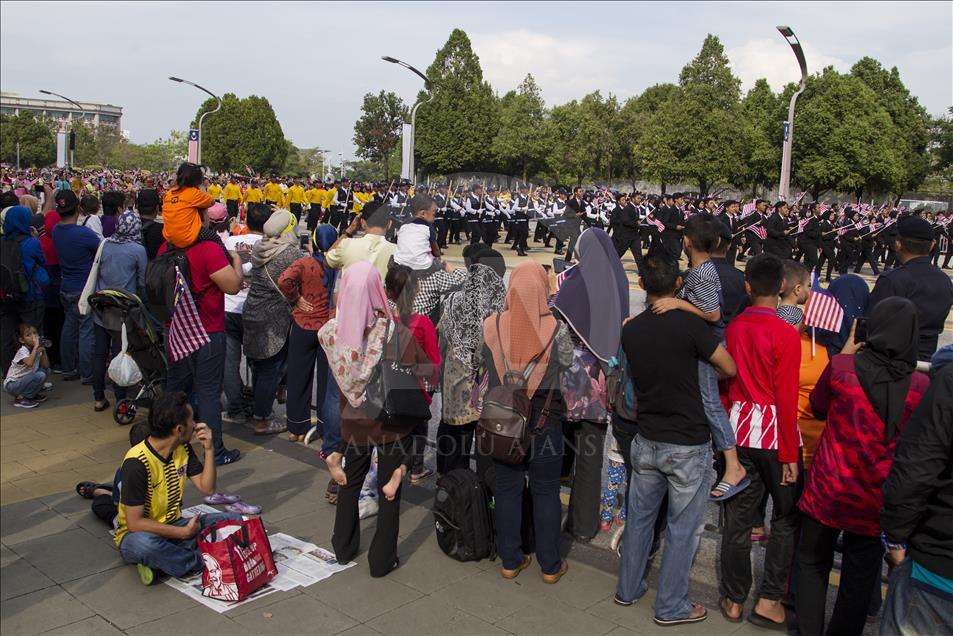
[731, 609]
[772, 610]
[390, 489]
[734, 471]
[337, 470]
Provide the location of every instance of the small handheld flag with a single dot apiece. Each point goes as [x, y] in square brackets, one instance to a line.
[822, 311]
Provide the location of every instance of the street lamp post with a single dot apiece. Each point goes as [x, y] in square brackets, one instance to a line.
[785, 185]
[82, 116]
[341, 162]
[198, 152]
[410, 169]
[324, 163]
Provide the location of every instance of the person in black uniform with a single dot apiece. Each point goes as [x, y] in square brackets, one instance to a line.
[473, 208]
[729, 218]
[890, 236]
[576, 206]
[849, 238]
[441, 222]
[865, 247]
[755, 219]
[522, 204]
[811, 237]
[626, 236]
[828, 243]
[490, 217]
[734, 298]
[919, 281]
[671, 217]
[777, 230]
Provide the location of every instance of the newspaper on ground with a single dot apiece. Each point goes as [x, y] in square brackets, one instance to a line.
[299, 564]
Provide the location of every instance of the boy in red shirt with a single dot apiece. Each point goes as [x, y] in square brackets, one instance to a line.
[763, 401]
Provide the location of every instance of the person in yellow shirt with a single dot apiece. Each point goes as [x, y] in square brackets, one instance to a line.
[233, 197]
[315, 197]
[253, 194]
[273, 193]
[214, 190]
[296, 198]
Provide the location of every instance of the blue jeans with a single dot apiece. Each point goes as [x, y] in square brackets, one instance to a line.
[175, 558]
[682, 472]
[722, 434]
[29, 385]
[265, 382]
[543, 464]
[911, 610]
[76, 340]
[200, 376]
[309, 364]
[233, 383]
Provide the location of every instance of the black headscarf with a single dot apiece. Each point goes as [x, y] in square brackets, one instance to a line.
[886, 363]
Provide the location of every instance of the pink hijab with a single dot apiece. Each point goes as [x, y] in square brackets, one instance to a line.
[360, 298]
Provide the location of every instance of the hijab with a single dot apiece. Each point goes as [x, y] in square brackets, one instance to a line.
[17, 222]
[353, 340]
[594, 297]
[279, 236]
[526, 325]
[323, 238]
[128, 228]
[885, 365]
[851, 293]
[464, 311]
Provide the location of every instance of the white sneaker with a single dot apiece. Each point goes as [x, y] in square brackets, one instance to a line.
[47, 386]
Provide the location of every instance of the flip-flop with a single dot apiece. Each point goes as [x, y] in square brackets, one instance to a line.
[724, 613]
[672, 622]
[729, 490]
[221, 499]
[764, 622]
[243, 508]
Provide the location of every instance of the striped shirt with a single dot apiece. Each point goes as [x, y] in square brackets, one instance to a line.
[791, 314]
[702, 288]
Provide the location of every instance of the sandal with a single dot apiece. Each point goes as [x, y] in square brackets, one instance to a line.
[724, 612]
[273, 428]
[85, 489]
[728, 490]
[671, 622]
[100, 408]
[332, 492]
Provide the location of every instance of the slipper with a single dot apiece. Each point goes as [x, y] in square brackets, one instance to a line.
[85, 489]
[724, 613]
[100, 408]
[764, 622]
[273, 428]
[221, 499]
[243, 508]
[671, 622]
[729, 490]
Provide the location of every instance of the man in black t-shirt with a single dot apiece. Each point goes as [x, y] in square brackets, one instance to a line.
[671, 454]
[147, 204]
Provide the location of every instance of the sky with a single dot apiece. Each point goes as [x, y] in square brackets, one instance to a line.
[315, 61]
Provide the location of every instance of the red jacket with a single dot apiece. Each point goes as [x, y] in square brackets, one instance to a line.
[844, 487]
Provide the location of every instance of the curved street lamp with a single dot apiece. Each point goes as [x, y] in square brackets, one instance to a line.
[428, 85]
[785, 185]
[82, 116]
[198, 152]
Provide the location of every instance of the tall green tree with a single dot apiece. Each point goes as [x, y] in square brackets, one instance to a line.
[35, 137]
[844, 139]
[707, 117]
[599, 123]
[761, 139]
[566, 162]
[519, 145]
[942, 134]
[377, 132]
[244, 132]
[657, 112]
[910, 118]
[456, 127]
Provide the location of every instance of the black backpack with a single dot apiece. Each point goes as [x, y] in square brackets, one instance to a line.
[462, 516]
[14, 283]
[160, 282]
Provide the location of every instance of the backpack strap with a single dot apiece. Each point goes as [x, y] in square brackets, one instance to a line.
[532, 363]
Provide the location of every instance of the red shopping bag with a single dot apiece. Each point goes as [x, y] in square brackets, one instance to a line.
[238, 559]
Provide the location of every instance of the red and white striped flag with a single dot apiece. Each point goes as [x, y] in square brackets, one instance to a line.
[561, 276]
[822, 311]
[759, 231]
[186, 332]
[654, 221]
[749, 208]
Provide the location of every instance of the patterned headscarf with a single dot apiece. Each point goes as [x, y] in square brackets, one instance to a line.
[128, 228]
[465, 310]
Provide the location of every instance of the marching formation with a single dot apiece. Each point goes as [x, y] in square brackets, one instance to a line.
[730, 388]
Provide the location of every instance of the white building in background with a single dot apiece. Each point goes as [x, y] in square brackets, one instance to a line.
[59, 110]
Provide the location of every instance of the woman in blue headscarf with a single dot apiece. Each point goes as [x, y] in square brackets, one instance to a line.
[122, 266]
[308, 284]
[29, 307]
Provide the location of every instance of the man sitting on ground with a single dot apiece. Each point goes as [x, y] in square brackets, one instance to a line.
[151, 531]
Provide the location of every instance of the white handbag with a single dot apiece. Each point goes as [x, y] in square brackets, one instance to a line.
[90, 287]
[123, 370]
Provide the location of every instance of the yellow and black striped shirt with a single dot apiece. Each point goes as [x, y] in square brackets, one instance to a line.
[155, 483]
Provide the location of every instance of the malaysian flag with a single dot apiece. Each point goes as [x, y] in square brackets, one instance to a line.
[561, 276]
[186, 332]
[822, 311]
[654, 221]
[193, 146]
[749, 208]
[759, 231]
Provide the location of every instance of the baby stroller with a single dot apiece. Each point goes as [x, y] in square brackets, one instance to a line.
[115, 308]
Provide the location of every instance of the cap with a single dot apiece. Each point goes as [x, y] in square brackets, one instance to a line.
[217, 212]
[562, 191]
[66, 201]
[914, 227]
